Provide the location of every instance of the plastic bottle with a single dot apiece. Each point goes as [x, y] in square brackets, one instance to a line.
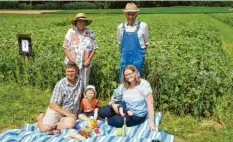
[157, 119]
[106, 126]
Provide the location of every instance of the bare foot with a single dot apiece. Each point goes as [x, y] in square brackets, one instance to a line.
[39, 119]
[130, 113]
[74, 135]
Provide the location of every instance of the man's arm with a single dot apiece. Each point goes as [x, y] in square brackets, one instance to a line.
[146, 36]
[60, 110]
[119, 34]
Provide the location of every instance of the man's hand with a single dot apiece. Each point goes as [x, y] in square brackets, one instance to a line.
[73, 116]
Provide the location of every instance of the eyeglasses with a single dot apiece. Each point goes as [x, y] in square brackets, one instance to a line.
[129, 74]
[131, 14]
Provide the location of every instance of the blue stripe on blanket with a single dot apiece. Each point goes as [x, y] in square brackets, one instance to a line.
[139, 133]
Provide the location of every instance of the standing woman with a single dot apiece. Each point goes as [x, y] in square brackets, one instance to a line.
[137, 95]
[80, 45]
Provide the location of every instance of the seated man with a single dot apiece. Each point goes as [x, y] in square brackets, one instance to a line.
[64, 103]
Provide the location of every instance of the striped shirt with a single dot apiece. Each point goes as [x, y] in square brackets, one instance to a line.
[68, 95]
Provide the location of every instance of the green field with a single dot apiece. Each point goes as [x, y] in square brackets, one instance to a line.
[191, 54]
[156, 10]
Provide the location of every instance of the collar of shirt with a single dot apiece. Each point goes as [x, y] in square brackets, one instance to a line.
[84, 33]
[127, 24]
[69, 84]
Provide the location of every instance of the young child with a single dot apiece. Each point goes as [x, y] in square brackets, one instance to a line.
[118, 104]
[89, 104]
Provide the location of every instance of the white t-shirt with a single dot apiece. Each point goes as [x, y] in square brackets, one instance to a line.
[135, 98]
[143, 34]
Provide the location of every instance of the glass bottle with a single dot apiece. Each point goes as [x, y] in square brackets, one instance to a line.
[124, 128]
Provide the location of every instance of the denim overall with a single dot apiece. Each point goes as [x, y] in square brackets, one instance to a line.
[131, 51]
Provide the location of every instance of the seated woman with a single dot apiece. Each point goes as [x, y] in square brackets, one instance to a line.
[137, 95]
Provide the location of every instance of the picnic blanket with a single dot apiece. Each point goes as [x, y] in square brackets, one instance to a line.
[139, 133]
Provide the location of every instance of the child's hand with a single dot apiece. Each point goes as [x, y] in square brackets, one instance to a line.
[115, 107]
[130, 113]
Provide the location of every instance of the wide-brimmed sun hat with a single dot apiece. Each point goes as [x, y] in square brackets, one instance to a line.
[90, 87]
[80, 16]
[131, 7]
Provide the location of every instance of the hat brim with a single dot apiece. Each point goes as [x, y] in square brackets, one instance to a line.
[90, 89]
[132, 10]
[73, 22]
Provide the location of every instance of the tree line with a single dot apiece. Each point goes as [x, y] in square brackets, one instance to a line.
[53, 5]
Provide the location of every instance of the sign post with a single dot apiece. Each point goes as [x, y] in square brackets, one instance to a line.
[25, 45]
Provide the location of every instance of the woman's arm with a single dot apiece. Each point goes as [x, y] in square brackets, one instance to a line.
[150, 108]
[67, 52]
[88, 60]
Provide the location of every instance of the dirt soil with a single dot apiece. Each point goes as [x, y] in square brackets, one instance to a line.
[26, 11]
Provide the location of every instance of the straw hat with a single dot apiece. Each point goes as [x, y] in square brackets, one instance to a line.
[131, 7]
[80, 16]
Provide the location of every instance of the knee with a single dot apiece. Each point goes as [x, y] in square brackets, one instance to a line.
[68, 123]
[104, 111]
[116, 122]
[45, 127]
[119, 122]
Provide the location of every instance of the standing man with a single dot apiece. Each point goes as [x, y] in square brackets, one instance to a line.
[64, 104]
[133, 38]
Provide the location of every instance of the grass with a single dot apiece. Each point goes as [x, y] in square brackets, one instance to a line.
[189, 129]
[153, 10]
[21, 105]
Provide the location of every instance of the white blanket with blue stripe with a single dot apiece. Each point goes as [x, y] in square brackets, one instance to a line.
[139, 133]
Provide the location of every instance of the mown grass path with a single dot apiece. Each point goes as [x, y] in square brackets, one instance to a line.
[227, 35]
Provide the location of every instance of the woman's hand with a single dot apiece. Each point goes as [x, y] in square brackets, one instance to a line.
[152, 126]
[87, 62]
